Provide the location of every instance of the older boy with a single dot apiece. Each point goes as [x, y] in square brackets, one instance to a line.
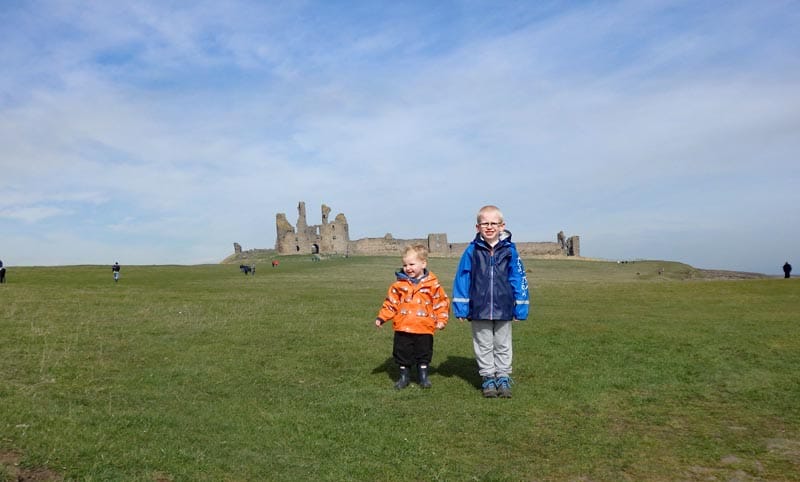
[491, 291]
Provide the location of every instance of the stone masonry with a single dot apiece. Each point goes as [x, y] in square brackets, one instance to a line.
[333, 238]
[326, 238]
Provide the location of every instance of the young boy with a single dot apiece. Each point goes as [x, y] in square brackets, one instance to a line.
[491, 291]
[417, 305]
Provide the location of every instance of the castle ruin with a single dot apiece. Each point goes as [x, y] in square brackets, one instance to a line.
[333, 238]
[326, 238]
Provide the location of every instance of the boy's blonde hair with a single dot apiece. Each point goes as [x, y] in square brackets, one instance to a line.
[419, 250]
[490, 209]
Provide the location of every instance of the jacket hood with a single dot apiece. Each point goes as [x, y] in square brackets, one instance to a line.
[402, 276]
[505, 235]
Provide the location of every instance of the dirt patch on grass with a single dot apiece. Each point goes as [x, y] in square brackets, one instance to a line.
[789, 449]
[714, 274]
[11, 470]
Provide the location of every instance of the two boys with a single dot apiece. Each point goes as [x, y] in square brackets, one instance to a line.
[490, 290]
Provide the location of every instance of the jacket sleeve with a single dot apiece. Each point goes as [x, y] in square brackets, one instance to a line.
[442, 305]
[519, 283]
[461, 284]
[389, 307]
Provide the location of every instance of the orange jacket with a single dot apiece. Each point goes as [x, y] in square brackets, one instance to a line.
[415, 308]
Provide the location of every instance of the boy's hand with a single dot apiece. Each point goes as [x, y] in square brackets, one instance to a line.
[378, 323]
[440, 325]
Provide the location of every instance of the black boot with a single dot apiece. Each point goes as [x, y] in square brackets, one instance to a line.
[404, 379]
[423, 377]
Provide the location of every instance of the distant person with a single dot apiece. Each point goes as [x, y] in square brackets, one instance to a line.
[490, 290]
[2, 272]
[417, 306]
[115, 270]
[787, 270]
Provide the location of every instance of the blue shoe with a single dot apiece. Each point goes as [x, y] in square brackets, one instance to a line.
[489, 387]
[504, 387]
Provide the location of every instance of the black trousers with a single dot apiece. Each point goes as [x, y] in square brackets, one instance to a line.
[412, 349]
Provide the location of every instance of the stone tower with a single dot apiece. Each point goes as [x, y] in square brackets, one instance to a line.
[326, 238]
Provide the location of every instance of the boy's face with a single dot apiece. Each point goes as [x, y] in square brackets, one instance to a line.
[490, 227]
[413, 267]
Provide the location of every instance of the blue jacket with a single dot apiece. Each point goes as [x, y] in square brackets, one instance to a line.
[490, 284]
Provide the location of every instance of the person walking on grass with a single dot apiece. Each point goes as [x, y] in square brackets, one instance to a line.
[417, 305]
[115, 269]
[490, 290]
[787, 270]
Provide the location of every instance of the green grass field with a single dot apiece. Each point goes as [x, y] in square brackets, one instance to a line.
[192, 373]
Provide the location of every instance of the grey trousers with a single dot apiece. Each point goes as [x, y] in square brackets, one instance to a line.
[491, 341]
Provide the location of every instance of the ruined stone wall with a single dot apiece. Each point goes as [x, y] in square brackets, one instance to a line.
[456, 249]
[286, 237]
[385, 246]
[539, 249]
[574, 246]
[334, 238]
[439, 247]
[437, 243]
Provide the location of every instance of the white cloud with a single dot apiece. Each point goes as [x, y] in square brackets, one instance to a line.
[31, 214]
[186, 129]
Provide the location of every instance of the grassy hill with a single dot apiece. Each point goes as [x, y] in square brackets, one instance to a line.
[202, 373]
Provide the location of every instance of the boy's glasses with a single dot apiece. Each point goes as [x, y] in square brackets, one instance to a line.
[487, 225]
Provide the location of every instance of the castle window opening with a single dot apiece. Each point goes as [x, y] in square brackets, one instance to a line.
[315, 249]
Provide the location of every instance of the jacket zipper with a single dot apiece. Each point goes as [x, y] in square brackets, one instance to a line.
[491, 284]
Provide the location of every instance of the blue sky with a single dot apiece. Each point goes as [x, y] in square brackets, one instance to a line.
[163, 132]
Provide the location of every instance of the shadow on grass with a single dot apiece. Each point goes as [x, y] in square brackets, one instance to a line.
[461, 367]
[454, 366]
[389, 367]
